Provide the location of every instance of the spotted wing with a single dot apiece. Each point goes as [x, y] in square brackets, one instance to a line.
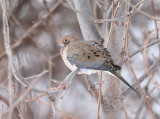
[90, 55]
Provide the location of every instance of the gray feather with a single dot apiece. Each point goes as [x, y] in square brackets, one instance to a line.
[124, 81]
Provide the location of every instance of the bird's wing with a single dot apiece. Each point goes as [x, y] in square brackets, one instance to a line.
[91, 55]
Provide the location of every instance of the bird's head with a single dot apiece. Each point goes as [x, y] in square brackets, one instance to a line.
[66, 39]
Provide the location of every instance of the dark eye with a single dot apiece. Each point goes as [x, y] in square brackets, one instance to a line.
[65, 40]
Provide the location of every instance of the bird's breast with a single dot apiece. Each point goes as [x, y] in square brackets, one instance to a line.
[77, 57]
[64, 57]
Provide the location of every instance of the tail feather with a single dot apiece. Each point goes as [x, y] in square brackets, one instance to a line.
[123, 80]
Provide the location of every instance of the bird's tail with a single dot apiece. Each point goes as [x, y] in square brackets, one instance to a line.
[123, 80]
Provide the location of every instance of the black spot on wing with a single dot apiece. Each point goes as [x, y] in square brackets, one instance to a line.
[97, 55]
[117, 67]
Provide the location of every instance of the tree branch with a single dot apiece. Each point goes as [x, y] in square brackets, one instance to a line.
[88, 28]
[143, 77]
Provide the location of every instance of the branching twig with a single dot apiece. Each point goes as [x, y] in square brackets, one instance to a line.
[143, 13]
[31, 29]
[142, 48]
[45, 92]
[8, 51]
[115, 19]
[143, 77]
[88, 28]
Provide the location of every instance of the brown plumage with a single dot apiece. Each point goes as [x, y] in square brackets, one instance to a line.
[89, 57]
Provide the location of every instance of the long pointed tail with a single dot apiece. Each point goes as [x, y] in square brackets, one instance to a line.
[123, 80]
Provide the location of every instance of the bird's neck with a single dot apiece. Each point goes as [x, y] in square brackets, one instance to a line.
[63, 47]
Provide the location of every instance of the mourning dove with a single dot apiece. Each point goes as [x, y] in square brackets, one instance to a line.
[88, 56]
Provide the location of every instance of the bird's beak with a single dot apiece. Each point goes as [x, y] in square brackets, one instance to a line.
[59, 45]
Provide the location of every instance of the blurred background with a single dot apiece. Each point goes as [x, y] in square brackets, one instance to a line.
[36, 27]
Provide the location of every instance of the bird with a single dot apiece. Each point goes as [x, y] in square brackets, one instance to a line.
[88, 56]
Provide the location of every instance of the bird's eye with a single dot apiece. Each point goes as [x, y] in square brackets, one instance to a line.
[65, 40]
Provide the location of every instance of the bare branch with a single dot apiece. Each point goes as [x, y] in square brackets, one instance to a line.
[68, 80]
[31, 29]
[142, 48]
[143, 77]
[88, 28]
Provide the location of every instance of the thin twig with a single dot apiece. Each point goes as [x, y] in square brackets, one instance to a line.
[100, 95]
[143, 77]
[110, 28]
[45, 92]
[53, 109]
[9, 53]
[31, 29]
[142, 48]
[35, 76]
[111, 20]
[143, 13]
